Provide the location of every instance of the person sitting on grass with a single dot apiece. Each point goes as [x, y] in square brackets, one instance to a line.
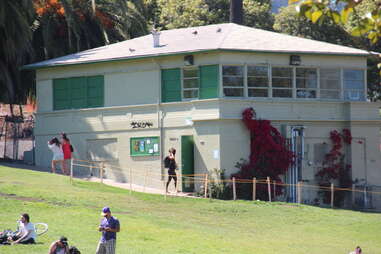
[357, 251]
[26, 232]
[59, 247]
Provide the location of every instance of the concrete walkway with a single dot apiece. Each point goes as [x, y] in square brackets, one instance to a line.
[134, 187]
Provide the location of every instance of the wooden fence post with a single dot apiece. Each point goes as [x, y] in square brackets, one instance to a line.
[254, 188]
[299, 192]
[206, 186]
[353, 195]
[332, 195]
[274, 186]
[101, 171]
[145, 180]
[71, 170]
[268, 188]
[234, 190]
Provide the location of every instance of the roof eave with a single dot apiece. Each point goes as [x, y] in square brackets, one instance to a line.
[34, 67]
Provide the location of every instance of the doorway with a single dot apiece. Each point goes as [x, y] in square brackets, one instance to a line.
[187, 163]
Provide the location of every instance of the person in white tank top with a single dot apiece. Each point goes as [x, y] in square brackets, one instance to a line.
[58, 156]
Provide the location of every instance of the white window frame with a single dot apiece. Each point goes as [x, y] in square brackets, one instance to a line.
[293, 82]
[316, 89]
[268, 88]
[183, 89]
[244, 85]
[339, 89]
[359, 91]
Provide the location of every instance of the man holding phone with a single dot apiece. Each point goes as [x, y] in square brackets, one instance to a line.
[109, 226]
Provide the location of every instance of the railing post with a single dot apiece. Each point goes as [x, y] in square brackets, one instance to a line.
[206, 185]
[254, 188]
[299, 192]
[234, 190]
[130, 180]
[101, 171]
[71, 170]
[332, 194]
[268, 188]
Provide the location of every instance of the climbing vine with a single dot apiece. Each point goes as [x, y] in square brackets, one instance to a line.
[334, 168]
[269, 156]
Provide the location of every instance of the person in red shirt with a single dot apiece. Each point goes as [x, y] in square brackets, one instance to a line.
[67, 151]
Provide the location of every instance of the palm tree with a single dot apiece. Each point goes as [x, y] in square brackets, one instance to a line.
[15, 45]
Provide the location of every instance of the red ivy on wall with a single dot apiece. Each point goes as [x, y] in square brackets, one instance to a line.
[269, 156]
[334, 168]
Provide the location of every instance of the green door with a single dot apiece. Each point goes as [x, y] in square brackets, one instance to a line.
[187, 163]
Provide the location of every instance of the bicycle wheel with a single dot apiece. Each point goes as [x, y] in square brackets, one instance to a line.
[40, 228]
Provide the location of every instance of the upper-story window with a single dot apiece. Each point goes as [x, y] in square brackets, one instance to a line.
[306, 83]
[258, 81]
[330, 83]
[232, 80]
[354, 85]
[282, 82]
[190, 83]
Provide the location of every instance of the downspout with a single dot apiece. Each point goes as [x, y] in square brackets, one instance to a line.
[159, 119]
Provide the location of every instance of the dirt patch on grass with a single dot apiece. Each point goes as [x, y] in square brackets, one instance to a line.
[31, 199]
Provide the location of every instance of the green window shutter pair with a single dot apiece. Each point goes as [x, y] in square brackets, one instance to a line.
[171, 83]
[79, 92]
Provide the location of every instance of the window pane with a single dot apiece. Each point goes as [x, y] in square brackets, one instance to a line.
[282, 93]
[282, 72]
[353, 84]
[282, 82]
[191, 94]
[306, 83]
[236, 92]
[190, 73]
[233, 81]
[329, 94]
[190, 83]
[307, 73]
[258, 93]
[306, 94]
[232, 70]
[354, 95]
[257, 71]
[257, 82]
[330, 73]
[329, 84]
[353, 75]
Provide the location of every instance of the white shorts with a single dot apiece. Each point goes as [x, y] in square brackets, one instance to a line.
[58, 157]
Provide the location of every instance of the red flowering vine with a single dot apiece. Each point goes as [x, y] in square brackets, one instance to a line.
[269, 156]
[334, 168]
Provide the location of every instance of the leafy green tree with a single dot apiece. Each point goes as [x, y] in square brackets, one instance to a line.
[15, 45]
[258, 14]
[288, 21]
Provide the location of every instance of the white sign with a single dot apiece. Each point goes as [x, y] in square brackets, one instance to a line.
[216, 154]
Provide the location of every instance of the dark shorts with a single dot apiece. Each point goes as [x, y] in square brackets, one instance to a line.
[29, 241]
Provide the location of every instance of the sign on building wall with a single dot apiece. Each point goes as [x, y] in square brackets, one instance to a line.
[144, 146]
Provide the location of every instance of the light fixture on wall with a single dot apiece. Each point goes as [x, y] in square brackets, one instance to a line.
[188, 60]
[295, 60]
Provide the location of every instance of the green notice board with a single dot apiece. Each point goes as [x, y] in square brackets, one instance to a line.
[144, 146]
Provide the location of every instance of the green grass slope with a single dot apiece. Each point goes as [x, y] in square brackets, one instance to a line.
[150, 224]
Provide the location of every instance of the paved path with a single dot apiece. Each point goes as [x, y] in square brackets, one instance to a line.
[110, 182]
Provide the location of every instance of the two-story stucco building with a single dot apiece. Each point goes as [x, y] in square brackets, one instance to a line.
[129, 102]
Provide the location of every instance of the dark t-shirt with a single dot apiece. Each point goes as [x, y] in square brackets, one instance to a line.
[113, 223]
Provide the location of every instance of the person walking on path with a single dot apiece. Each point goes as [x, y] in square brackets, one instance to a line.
[170, 163]
[109, 226]
[59, 247]
[67, 151]
[58, 156]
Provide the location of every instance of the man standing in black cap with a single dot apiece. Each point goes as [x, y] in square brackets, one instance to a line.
[59, 247]
[109, 227]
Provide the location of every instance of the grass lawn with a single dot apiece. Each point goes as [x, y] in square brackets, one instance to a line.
[149, 224]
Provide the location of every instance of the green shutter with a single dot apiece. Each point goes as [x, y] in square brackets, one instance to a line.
[95, 91]
[209, 81]
[78, 92]
[61, 94]
[170, 85]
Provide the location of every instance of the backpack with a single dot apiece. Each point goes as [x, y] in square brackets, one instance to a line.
[167, 162]
[74, 250]
[71, 148]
